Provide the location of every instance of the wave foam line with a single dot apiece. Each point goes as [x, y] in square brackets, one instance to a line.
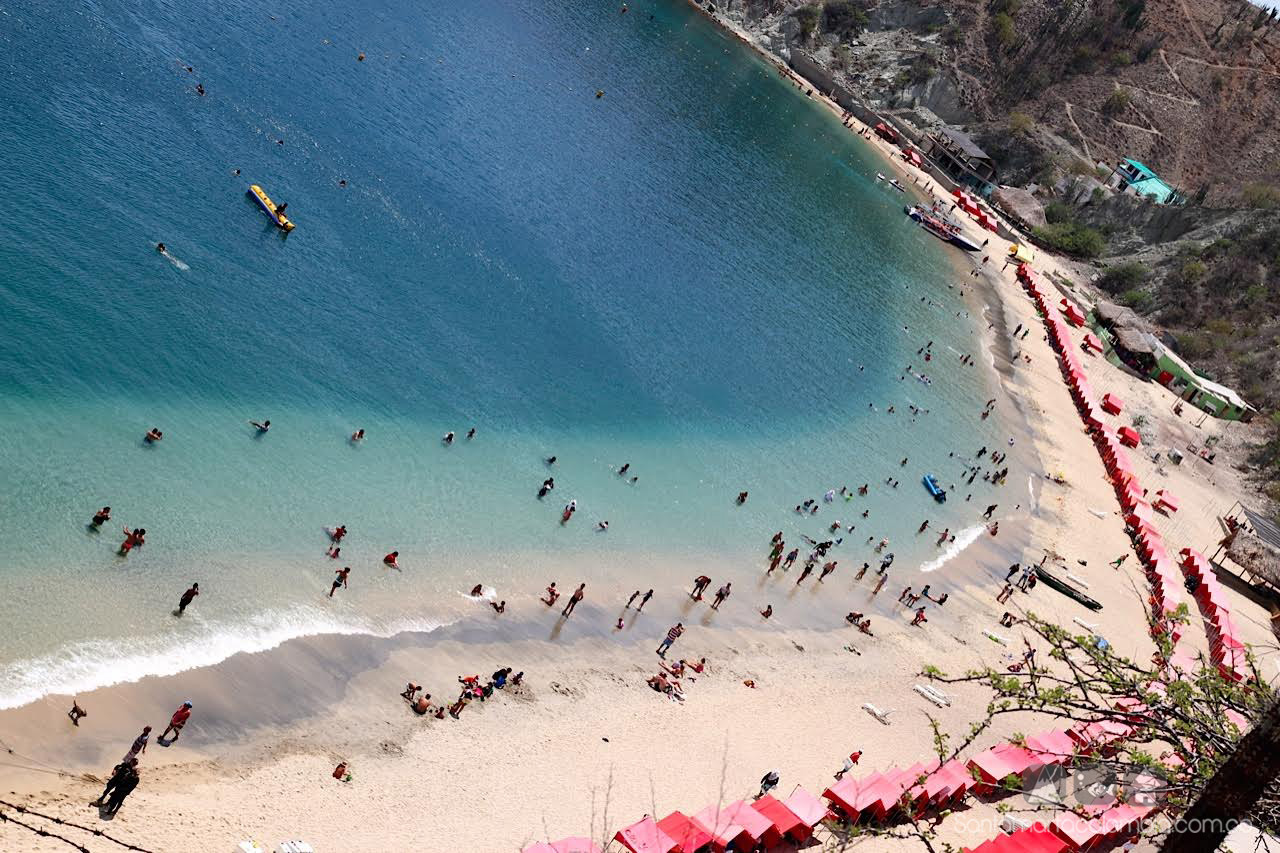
[90, 664]
[963, 540]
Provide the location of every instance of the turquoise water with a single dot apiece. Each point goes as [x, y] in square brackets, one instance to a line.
[684, 274]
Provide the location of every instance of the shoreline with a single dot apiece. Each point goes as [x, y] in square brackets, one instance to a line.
[585, 747]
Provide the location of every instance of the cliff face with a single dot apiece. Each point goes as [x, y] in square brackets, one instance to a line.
[1190, 87]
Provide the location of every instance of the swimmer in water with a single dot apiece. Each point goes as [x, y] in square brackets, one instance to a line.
[471, 433]
[477, 590]
[551, 460]
[604, 525]
[260, 427]
[392, 559]
[161, 248]
[448, 438]
[358, 435]
[101, 516]
[153, 435]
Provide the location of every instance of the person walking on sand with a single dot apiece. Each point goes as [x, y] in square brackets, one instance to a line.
[139, 746]
[1013, 570]
[849, 764]
[633, 597]
[767, 612]
[905, 594]
[644, 599]
[827, 568]
[673, 634]
[1119, 561]
[721, 594]
[76, 712]
[791, 559]
[177, 721]
[880, 583]
[1004, 594]
[340, 580]
[188, 597]
[118, 774]
[805, 572]
[919, 618]
[123, 788]
[573, 600]
[990, 509]
[700, 584]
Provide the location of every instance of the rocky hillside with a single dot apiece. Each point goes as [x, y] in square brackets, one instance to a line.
[1190, 87]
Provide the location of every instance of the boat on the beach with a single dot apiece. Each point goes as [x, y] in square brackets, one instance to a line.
[1067, 589]
[939, 493]
[937, 226]
[281, 221]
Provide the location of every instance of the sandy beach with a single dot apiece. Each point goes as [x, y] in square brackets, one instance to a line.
[583, 746]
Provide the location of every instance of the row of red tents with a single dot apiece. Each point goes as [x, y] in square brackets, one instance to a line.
[765, 823]
[969, 204]
[1148, 542]
[1225, 648]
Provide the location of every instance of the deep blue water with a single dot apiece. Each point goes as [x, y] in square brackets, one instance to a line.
[684, 273]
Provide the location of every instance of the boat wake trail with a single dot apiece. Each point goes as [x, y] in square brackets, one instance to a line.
[177, 262]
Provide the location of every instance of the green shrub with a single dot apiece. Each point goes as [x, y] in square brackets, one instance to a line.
[1138, 300]
[1122, 277]
[1056, 211]
[922, 69]
[1195, 345]
[1021, 123]
[1262, 196]
[1116, 103]
[1071, 239]
[1006, 35]
[807, 17]
[845, 18]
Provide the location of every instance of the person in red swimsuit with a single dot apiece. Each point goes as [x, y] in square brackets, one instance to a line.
[177, 721]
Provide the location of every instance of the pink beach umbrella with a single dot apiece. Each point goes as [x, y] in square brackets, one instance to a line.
[576, 844]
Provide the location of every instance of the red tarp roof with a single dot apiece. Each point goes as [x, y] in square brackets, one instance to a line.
[1034, 839]
[722, 829]
[808, 808]
[783, 819]
[1166, 497]
[1129, 435]
[681, 829]
[644, 836]
[755, 824]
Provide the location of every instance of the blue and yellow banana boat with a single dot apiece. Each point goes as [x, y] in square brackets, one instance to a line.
[281, 221]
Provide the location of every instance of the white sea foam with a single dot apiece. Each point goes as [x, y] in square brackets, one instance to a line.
[963, 540]
[87, 665]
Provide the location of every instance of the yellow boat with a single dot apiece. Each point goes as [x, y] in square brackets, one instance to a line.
[281, 222]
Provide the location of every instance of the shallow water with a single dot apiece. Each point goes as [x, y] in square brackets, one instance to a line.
[685, 274]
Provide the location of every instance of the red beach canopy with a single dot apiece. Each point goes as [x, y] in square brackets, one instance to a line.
[1129, 436]
[681, 829]
[808, 808]
[1166, 499]
[1091, 342]
[644, 836]
[1113, 404]
[722, 829]
[783, 819]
